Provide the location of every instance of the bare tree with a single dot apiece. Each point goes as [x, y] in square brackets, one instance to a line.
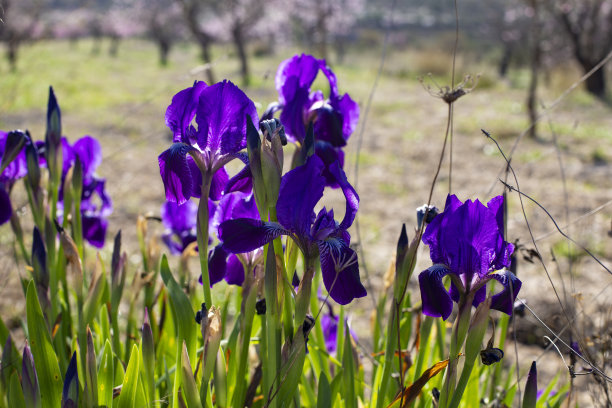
[588, 25]
[192, 13]
[18, 22]
[163, 19]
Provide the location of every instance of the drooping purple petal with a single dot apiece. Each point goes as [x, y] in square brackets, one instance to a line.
[94, 230]
[329, 124]
[221, 116]
[246, 234]
[340, 271]
[235, 205]
[352, 199]
[434, 296]
[234, 273]
[175, 173]
[329, 155]
[242, 181]
[89, 152]
[217, 264]
[348, 110]
[181, 111]
[6, 210]
[504, 300]
[300, 190]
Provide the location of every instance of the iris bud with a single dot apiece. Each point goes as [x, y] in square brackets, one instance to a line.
[426, 213]
[531, 388]
[15, 141]
[33, 165]
[53, 137]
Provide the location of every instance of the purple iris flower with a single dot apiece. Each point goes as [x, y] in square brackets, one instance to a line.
[466, 240]
[317, 236]
[96, 204]
[334, 118]
[220, 111]
[180, 222]
[15, 170]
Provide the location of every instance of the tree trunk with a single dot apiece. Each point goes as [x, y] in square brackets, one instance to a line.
[239, 42]
[205, 53]
[504, 63]
[11, 54]
[535, 68]
[164, 50]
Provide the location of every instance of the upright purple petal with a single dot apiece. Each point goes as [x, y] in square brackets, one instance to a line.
[434, 296]
[221, 116]
[300, 190]
[247, 234]
[348, 110]
[181, 111]
[175, 173]
[89, 152]
[340, 271]
[504, 300]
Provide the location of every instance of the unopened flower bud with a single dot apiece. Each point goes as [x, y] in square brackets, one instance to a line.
[426, 213]
[15, 141]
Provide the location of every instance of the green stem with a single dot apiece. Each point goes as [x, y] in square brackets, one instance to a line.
[388, 363]
[203, 236]
[272, 366]
[248, 314]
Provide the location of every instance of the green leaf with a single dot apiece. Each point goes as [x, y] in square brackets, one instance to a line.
[182, 311]
[324, 392]
[15, 394]
[91, 376]
[45, 360]
[190, 389]
[348, 363]
[29, 380]
[105, 376]
[94, 297]
[148, 359]
[130, 380]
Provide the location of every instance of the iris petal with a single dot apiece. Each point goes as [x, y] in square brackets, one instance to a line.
[436, 299]
[5, 207]
[175, 173]
[340, 271]
[246, 234]
[221, 116]
[504, 300]
[300, 190]
[181, 111]
[234, 274]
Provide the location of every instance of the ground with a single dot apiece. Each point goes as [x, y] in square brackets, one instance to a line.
[121, 101]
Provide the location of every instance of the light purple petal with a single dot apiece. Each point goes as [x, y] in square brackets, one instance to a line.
[300, 190]
[434, 296]
[179, 218]
[247, 234]
[181, 111]
[340, 271]
[221, 117]
[504, 300]
[175, 173]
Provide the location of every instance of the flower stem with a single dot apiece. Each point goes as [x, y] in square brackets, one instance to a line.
[203, 236]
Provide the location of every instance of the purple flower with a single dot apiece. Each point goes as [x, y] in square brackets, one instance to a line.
[13, 171]
[466, 240]
[96, 204]
[220, 111]
[334, 118]
[180, 222]
[317, 236]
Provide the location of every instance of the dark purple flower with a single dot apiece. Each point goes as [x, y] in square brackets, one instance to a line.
[320, 235]
[221, 263]
[220, 111]
[13, 171]
[96, 204]
[467, 240]
[334, 118]
[329, 326]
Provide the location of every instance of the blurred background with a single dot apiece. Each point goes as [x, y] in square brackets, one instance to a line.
[115, 66]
